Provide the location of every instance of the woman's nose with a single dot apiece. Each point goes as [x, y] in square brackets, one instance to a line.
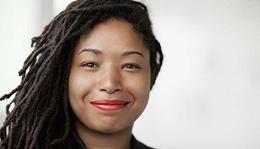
[110, 82]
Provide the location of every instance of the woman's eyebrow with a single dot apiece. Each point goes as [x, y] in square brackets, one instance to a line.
[133, 53]
[127, 53]
[95, 51]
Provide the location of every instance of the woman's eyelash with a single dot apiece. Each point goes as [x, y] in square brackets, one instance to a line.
[131, 66]
[89, 64]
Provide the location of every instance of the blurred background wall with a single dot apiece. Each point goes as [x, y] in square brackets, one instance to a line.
[208, 92]
[20, 21]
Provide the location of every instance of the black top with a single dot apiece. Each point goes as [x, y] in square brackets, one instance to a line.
[135, 144]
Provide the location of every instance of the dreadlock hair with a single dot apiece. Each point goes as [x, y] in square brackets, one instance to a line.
[41, 116]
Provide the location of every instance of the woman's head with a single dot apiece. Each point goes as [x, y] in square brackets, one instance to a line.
[110, 76]
[42, 114]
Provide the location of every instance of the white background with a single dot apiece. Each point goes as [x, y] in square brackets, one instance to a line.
[207, 95]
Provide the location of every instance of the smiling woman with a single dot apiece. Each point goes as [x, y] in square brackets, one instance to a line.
[109, 87]
[87, 80]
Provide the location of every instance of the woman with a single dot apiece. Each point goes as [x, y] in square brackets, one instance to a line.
[87, 80]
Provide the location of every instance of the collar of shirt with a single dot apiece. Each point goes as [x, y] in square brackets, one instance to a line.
[135, 144]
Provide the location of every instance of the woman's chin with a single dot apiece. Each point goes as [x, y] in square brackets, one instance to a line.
[112, 129]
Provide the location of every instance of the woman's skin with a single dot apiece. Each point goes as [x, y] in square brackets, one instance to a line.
[109, 63]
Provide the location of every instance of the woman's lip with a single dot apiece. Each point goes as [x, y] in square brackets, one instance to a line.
[109, 105]
[109, 102]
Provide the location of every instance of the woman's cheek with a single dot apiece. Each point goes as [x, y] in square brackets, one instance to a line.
[139, 85]
[79, 84]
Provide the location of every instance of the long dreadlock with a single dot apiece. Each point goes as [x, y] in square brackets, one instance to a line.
[41, 117]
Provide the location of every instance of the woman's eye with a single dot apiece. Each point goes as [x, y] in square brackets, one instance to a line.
[131, 66]
[89, 65]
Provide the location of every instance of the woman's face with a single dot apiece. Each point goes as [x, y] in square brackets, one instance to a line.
[109, 79]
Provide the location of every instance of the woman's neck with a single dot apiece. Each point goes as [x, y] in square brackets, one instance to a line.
[98, 140]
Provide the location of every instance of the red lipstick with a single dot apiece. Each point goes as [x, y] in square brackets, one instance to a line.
[109, 105]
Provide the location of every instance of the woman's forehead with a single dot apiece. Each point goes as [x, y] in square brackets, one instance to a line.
[111, 34]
